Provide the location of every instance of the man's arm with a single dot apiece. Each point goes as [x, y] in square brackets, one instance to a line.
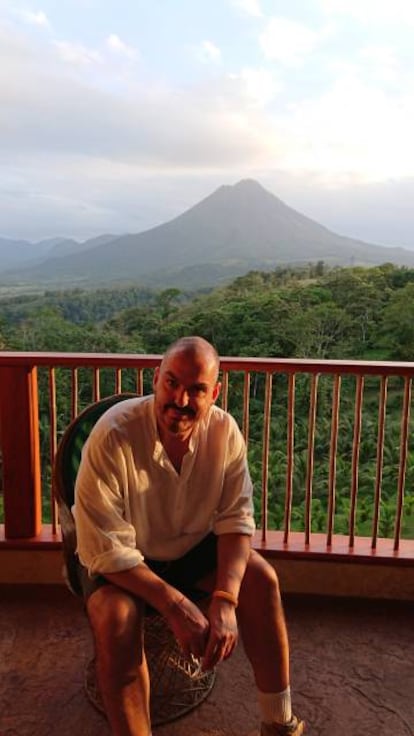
[187, 622]
[233, 552]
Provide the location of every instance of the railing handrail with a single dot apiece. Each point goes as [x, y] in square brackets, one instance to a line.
[227, 362]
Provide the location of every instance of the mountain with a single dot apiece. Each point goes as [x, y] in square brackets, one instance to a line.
[17, 253]
[235, 229]
[68, 247]
[22, 253]
[13, 252]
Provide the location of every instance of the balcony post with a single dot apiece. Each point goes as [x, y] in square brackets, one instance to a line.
[19, 442]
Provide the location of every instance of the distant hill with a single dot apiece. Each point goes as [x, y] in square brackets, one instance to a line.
[233, 230]
[21, 254]
[70, 247]
[18, 253]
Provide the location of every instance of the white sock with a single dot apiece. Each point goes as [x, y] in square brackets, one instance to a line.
[275, 707]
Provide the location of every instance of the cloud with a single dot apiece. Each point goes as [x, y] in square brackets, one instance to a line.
[54, 111]
[208, 52]
[352, 132]
[381, 63]
[287, 41]
[250, 7]
[114, 43]
[83, 138]
[37, 18]
[261, 85]
[373, 12]
[73, 53]
[46, 203]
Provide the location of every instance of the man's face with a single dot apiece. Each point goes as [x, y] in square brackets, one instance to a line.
[185, 386]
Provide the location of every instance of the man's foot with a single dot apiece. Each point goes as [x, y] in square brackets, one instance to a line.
[295, 727]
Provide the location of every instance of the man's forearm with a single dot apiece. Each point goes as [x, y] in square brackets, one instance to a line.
[189, 625]
[233, 551]
[145, 584]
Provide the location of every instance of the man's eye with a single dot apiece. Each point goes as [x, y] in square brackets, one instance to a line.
[197, 391]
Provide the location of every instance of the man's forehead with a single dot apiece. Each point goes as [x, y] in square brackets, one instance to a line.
[194, 361]
[190, 378]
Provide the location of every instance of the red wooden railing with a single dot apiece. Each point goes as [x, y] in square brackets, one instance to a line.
[53, 380]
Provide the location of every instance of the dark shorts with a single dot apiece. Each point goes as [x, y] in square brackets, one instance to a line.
[183, 573]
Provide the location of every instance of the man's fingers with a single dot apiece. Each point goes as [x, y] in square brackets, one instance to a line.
[214, 654]
[219, 649]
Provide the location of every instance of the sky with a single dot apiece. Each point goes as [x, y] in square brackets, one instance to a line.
[118, 115]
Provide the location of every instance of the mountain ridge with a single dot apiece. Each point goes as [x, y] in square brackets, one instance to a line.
[242, 224]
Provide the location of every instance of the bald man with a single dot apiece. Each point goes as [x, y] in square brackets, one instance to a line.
[163, 504]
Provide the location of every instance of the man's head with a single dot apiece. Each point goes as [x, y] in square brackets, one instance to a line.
[185, 386]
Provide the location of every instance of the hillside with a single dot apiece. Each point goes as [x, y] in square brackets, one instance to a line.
[235, 229]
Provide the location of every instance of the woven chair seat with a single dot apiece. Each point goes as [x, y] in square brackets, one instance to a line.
[177, 682]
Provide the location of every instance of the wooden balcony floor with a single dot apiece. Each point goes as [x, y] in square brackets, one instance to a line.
[352, 670]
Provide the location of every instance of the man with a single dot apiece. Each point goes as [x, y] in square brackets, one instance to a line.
[163, 503]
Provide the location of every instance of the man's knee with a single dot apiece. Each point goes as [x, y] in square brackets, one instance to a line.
[114, 614]
[260, 579]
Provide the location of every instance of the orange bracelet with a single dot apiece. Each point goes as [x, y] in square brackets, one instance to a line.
[226, 596]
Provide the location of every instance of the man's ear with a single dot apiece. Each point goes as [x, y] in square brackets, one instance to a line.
[216, 391]
[155, 377]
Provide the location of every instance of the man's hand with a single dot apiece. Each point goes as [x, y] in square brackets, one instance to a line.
[189, 626]
[223, 634]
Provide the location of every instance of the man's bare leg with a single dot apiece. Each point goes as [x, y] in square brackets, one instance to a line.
[265, 638]
[116, 619]
[263, 626]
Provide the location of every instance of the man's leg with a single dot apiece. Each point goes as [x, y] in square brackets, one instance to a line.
[263, 627]
[264, 634]
[116, 619]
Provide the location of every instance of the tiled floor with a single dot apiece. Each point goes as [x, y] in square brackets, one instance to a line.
[352, 670]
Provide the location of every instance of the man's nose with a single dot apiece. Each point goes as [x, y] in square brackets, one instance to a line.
[181, 397]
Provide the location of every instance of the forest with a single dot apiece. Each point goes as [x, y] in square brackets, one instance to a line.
[312, 312]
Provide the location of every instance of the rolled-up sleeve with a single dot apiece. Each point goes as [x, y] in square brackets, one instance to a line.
[106, 540]
[235, 511]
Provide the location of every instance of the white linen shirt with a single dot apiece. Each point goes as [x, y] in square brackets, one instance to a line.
[130, 502]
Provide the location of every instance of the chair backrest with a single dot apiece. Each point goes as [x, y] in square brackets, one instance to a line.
[65, 470]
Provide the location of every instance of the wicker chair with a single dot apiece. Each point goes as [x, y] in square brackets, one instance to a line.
[177, 682]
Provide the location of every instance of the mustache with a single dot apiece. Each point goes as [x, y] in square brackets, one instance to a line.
[183, 410]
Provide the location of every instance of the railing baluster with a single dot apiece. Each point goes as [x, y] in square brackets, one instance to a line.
[332, 458]
[289, 456]
[96, 384]
[265, 451]
[380, 458]
[52, 442]
[246, 407]
[74, 393]
[405, 422]
[118, 380]
[359, 392]
[224, 390]
[311, 450]
[140, 382]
